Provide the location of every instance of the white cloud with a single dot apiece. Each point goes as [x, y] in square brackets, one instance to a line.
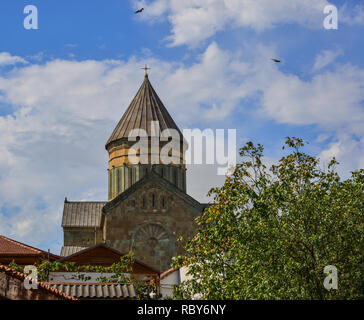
[345, 147]
[7, 59]
[90, 90]
[352, 15]
[196, 20]
[193, 21]
[325, 58]
[330, 99]
[38, 57]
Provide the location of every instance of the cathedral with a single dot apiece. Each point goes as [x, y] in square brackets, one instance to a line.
[148, 207]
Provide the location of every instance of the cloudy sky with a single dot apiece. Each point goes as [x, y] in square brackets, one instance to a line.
[64, 87]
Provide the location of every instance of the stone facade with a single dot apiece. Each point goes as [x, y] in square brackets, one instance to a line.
[147, 218]
[149, 221]
[82, 237]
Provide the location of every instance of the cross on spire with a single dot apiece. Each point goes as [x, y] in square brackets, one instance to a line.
[146, 70]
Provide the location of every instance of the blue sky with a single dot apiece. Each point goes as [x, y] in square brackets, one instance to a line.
[64, 86]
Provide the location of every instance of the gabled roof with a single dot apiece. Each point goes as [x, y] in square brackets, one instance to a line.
[101, 254]
[155, 177]
[144, 108]
[10, 247]
[82, 213]
[95, 290]
[68, 250]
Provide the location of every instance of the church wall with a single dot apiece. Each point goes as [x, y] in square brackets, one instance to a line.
[82, 237]
[152, 231]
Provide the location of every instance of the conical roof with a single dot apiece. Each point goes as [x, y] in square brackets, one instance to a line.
[144, 108]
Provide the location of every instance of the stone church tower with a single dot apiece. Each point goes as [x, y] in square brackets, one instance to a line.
[148, 207]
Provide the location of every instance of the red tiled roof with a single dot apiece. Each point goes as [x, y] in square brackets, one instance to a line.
[21, 276]
[12, 247]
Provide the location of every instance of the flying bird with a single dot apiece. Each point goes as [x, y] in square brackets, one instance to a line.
[139, 11]
[276, 60]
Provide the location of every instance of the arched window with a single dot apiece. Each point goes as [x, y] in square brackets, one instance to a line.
[117, 180]
[110, 184]
[175, 175]
[130, 173]
[153, 200]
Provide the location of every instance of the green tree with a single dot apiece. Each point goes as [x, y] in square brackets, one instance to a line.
[271, 231]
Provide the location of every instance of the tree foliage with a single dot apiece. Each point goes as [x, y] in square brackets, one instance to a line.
[124, 265]
[271, 231]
